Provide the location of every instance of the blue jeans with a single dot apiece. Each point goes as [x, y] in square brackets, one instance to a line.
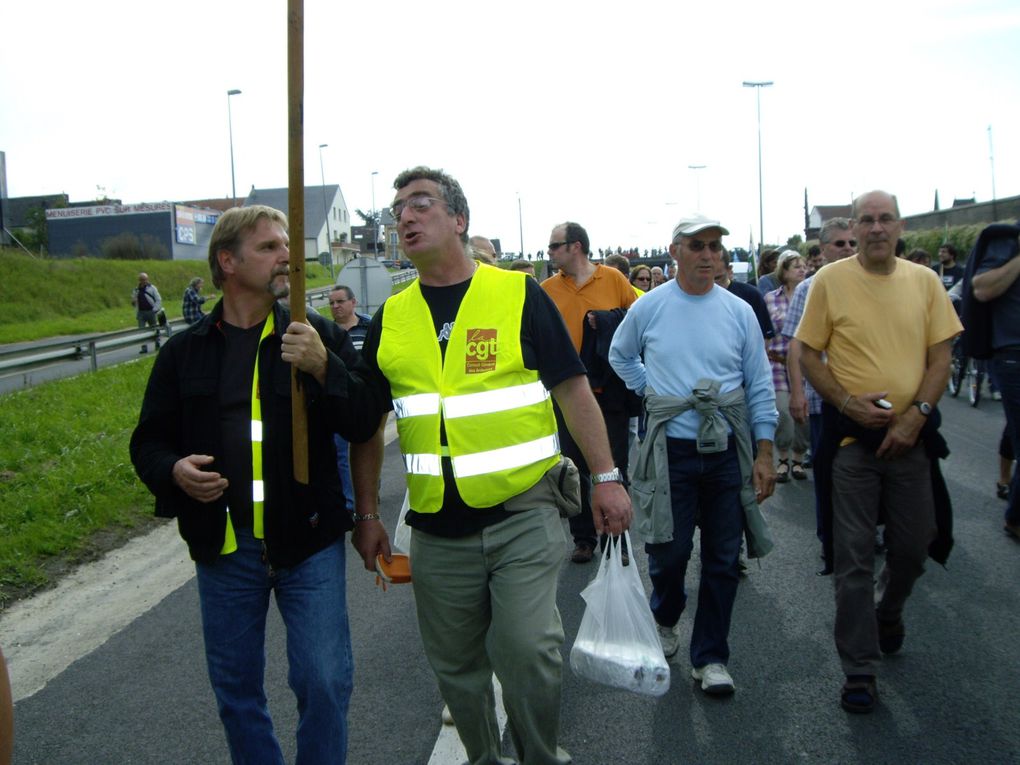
[1006, 367]
[234, 594]
[343, 466]
[705, 491]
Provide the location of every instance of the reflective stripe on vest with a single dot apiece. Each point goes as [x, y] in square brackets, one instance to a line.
[507, 458]
[468, 404]
[257, 486]
[497, 414]
[416, 405]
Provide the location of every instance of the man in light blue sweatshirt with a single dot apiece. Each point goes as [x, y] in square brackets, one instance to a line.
[687, 332]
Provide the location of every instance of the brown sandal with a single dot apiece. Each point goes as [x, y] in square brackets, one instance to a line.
[783, 471]
[797, 471]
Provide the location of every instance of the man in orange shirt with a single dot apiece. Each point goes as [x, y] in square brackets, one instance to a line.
[579, 288]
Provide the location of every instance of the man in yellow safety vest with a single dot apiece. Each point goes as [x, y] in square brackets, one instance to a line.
[468, 356]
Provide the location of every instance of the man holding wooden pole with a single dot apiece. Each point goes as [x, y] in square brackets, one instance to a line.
[214, 445]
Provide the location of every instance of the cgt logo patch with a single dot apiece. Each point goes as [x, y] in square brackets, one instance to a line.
[480, 351]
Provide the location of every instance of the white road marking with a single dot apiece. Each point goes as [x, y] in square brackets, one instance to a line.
[42, 636]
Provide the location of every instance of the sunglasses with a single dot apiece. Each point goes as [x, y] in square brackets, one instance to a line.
[696, 245]
[556, 245]
[642, 278]
[845, 242]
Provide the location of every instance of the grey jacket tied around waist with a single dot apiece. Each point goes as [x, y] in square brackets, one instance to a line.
[650, 482]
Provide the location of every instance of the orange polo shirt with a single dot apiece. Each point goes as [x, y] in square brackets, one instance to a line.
[606, 289]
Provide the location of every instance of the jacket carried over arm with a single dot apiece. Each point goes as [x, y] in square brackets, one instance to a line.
[180, 417]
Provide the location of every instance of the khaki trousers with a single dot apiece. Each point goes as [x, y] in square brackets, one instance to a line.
[487, 603]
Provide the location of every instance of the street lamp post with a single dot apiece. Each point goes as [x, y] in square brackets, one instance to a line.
[761, 206]
[230, 128]
[326, 210]
[375, 219]
[697, 181]
[520, 222]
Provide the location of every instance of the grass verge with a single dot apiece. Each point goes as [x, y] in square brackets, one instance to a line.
[68, 492]
[51, 297]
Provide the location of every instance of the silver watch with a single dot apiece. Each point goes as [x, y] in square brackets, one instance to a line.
[610, 477]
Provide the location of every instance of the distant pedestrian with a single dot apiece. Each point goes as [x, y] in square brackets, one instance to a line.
[949, 271]
[641, 280]
[766, 271]
[523, 265]
[193, 299]
[147, 302]
[658, 276]
[483, 249]
[342, 305]
[619, 262]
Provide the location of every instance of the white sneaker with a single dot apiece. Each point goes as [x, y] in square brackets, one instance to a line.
[715, 680]
[670, 639]
[447, 717]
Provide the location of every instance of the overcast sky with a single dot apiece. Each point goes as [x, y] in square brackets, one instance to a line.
[587, 112]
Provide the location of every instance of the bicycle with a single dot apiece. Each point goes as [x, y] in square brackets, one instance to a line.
[976, 371]
[958, 368]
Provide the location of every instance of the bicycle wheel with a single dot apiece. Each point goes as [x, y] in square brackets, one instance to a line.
[959, 368]
[977, 379]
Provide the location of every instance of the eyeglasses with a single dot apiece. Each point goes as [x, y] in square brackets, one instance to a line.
[844, 242]
[557, 245]
[419, 203]
[886, 219]
[696, 245]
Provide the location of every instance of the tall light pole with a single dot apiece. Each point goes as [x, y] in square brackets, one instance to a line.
[520, 222]
[375, 219]
[991, 161]
[325, 210]
[697, 181]
[761, 206]
[230, 128]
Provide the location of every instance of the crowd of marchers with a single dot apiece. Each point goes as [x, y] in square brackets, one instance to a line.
[681, 396]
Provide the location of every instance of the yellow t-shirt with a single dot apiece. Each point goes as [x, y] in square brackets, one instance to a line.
[877, 328]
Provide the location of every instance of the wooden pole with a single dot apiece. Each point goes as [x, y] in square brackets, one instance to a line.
[296, 215]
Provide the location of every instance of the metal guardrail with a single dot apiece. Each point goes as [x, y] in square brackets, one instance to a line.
[39, 354]
[46, 352]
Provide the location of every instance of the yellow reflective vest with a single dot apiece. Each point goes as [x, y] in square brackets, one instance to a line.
[500, 428]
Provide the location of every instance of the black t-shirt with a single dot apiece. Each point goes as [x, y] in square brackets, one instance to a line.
[545, 347]
[755, 299]
[234, 463]
[950, 274]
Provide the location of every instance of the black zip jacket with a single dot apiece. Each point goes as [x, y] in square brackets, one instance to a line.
[180, 416]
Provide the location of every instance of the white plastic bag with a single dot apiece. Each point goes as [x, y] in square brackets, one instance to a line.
[402, 533]
[617, 643]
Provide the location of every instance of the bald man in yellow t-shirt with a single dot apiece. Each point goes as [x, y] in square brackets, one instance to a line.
[886, 325]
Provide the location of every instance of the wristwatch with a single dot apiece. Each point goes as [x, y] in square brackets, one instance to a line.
[613, 476]
[924, 407]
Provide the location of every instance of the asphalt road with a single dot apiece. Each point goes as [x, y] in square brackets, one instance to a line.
[951, 695]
